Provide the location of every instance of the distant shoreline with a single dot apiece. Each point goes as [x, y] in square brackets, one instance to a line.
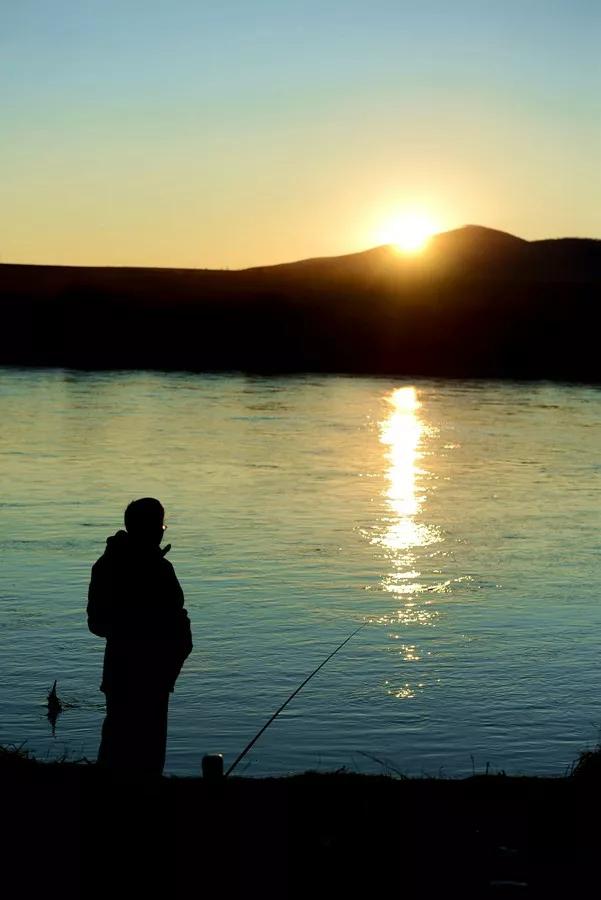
[292, 374]
[477, 304]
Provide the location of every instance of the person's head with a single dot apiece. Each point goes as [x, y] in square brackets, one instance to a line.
[145, 520]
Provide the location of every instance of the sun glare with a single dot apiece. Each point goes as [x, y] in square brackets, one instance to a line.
[409, 232]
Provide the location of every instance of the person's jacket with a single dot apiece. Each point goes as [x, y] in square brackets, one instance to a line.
[135, 601]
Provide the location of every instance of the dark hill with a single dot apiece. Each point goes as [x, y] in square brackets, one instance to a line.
[477, 302]
[475, 241]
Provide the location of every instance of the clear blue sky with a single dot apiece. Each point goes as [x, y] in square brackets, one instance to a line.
[230, 134]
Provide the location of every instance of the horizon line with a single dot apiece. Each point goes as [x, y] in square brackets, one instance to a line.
[391, 245]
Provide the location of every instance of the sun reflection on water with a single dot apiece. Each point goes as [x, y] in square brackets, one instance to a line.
[402, 433]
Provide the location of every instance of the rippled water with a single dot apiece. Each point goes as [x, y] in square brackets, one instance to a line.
[462, 520]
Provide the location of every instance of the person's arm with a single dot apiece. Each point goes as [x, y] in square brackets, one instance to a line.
[181, 646]
[182, 633]
[173, 587]
[98, 604]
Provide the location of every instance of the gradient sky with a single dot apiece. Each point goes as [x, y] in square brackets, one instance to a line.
[229, 133]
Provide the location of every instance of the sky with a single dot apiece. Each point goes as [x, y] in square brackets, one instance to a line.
[233, 133]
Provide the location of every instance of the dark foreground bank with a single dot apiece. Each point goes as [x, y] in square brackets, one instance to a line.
[71, 830]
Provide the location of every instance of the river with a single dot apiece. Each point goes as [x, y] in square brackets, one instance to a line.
[461, 520]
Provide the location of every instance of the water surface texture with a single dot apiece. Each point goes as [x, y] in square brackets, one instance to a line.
[461, 520]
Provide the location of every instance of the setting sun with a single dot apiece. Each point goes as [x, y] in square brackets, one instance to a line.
[409, 232]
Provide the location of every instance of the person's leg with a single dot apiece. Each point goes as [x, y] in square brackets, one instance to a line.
[114, 751]
[151, 739]
[134, 733]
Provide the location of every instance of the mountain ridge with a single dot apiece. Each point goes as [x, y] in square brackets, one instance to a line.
[476, 303]
[492, 236]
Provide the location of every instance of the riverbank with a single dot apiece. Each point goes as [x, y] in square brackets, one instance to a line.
[73, 830]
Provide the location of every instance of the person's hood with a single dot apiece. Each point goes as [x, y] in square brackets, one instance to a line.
[121, 544]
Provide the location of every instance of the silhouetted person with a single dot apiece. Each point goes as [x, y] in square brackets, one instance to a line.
[135, 601]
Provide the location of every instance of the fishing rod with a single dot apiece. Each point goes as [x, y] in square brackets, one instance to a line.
[251, 744]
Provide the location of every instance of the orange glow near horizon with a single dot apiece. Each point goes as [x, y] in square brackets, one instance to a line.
[409, 232]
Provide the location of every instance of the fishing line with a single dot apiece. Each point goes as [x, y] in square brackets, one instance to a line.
[291, 697]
